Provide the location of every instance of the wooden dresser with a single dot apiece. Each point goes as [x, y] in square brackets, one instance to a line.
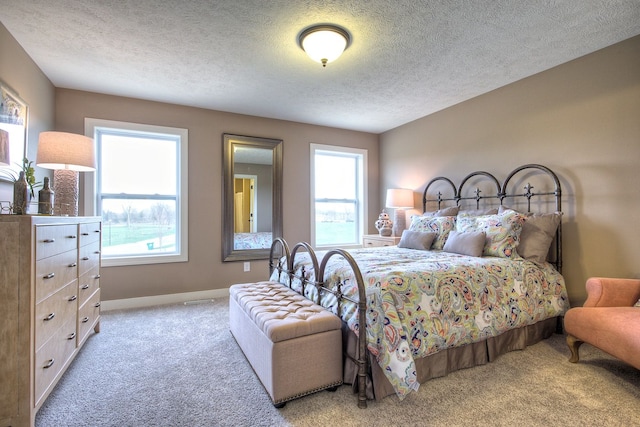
[49, 303]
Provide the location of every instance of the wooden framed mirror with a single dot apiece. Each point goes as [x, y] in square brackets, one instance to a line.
[251, 196]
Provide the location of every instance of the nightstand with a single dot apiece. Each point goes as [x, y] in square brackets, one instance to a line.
[375, 240]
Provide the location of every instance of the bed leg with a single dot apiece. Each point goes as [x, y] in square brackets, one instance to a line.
[362, 384]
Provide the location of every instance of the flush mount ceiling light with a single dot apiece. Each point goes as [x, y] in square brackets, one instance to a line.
[324, 43]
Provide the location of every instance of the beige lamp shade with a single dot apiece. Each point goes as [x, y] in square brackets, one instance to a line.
[67, 154]
[399, 198]
[5, 159]
[62, 150]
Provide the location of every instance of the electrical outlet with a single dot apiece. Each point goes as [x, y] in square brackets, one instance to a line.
[247, 266]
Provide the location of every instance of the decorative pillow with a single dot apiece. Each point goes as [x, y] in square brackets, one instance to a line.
[538, 232]
[416, 240]
[440, 225]
[465, 243]
[478, 212]
[502, 232]
[450, 211]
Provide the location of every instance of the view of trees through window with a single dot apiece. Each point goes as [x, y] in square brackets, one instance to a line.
[138, 197]
[134, 226]
[338, 193]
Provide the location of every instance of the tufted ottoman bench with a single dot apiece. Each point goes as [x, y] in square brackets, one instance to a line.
[293, 344]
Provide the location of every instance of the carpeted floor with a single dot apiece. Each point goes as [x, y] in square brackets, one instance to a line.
[178, 365]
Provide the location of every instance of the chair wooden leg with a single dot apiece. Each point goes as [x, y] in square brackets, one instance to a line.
[574, 344]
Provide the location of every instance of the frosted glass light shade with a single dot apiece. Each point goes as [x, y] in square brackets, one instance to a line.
[5, 148]
[324, 43]
[62, 150]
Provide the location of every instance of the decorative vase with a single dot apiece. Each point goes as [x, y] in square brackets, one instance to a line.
[21, 195]
[384, 225]
[45, 198]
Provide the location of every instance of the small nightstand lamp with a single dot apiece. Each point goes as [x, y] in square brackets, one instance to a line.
[67, 154]
[399, 199]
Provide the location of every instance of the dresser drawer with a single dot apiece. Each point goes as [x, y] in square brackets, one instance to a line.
[88, 315]
[89, 233]
[52, 357]
[55, 311]
[55, 239]
[55, 272]
[88, 257]
[374, 240]
[87, 284]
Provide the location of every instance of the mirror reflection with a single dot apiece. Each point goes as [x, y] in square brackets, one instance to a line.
[252, 196]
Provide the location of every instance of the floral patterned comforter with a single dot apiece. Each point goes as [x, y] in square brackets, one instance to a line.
[421, 302]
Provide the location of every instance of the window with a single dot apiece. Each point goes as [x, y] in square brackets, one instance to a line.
[338, 188]
[140, 191]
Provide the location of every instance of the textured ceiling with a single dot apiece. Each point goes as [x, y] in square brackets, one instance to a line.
[408, 59]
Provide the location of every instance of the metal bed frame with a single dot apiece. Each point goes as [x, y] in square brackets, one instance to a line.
[282, 259]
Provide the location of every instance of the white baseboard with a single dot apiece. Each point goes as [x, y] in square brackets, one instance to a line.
[187, 297]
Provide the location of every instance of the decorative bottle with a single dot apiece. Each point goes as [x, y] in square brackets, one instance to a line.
[20, 195]
[45, 198]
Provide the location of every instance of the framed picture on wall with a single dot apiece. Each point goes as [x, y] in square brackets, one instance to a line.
[13, 120]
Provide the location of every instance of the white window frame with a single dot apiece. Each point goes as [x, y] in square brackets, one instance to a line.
[91, 192]
[362, 207]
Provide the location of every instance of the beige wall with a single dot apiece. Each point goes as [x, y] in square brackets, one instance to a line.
[20, 73]
[581, 119]
[205, 270]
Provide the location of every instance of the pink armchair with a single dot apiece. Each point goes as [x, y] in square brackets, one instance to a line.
[608, 319]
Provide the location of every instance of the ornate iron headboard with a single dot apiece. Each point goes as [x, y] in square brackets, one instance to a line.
[501, 194]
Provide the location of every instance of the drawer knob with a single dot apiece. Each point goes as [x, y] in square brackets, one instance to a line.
[72, 237]
[96, 252]
[49, 317]
[97, 276]
[73, 298]
[49, 240]
[85, 258]
[85, 234]
[85, 320]
[49, 363]
[96, 231]
[75, 264]
[84, 287]
[97, 304]
[49, 276]
[71, 336]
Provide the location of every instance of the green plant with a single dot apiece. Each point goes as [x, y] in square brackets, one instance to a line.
[29, 175]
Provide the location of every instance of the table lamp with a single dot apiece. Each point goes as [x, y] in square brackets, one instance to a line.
[399, 199]
[67, 154]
